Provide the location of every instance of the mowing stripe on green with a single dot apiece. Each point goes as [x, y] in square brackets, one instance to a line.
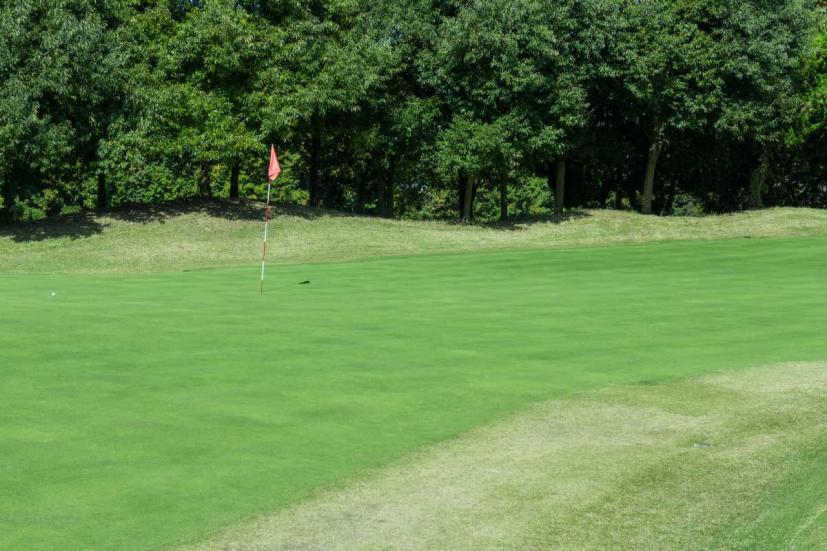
[141, 411]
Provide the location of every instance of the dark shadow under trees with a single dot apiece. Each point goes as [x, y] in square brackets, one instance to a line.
[88, 223]
[520, 223]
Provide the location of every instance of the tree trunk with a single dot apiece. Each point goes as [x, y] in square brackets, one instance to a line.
[313, 167]
[503, 200]
[388, 190]
[655, 147]
[619, 197]
[560, 187]
[461, 185]
[606, 187]
[7, 199]
[101, 200]
[234, 170]
[759, 179]
[670, 199]
[475, 187]
[381, 194]
[204, 188]
[468, 207]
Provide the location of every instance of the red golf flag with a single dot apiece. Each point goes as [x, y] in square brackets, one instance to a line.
[275, 167]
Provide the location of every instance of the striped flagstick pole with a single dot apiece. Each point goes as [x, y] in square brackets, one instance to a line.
[272, 173]
[264, 242]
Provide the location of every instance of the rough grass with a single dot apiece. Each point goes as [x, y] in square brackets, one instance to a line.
[202, 235]
[728, 461]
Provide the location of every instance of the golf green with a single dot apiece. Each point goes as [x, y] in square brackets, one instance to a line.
[141, 411]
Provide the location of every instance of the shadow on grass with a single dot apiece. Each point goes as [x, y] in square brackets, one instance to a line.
[521, 223]
[160, 213]
[88, 223]
[227, 209]
[75, 226]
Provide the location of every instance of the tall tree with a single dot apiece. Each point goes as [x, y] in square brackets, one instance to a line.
[808, 138]
[515, 89]
[761, 45]
[189, 74]
[55, 85]
[671, 73]
[317, 78]
[401, 114]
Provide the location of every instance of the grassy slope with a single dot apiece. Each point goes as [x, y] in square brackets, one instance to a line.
[727, 461]
[218, 234]
[143, 410]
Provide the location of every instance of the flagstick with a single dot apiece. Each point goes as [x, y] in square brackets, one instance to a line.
[264, 243]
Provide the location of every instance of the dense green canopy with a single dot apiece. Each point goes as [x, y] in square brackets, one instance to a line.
[414, 108]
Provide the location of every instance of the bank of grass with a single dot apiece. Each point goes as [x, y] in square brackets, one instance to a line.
[219, 234]
[735, 460]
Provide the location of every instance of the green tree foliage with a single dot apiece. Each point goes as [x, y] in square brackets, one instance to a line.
[414, 108]
[55, 91]
[761, 100]
[512, 74]
[669, 69]
[802, 176]
[187, 109]
[317, 78]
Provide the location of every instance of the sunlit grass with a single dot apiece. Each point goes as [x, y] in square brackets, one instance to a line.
[176, 238]
[147, 402]
[144, 410]
[727, 461]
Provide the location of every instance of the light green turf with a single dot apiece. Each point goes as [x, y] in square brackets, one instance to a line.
[144, 410]
[732, 460]
[220, 234]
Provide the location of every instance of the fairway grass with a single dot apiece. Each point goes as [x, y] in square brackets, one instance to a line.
[726, 461]
[142, 411]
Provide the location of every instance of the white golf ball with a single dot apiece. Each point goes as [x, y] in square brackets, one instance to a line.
[53, 294]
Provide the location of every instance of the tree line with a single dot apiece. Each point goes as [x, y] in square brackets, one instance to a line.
[415, 108]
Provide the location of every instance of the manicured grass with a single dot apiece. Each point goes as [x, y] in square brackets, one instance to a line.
[221, 234]
[143, 410]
